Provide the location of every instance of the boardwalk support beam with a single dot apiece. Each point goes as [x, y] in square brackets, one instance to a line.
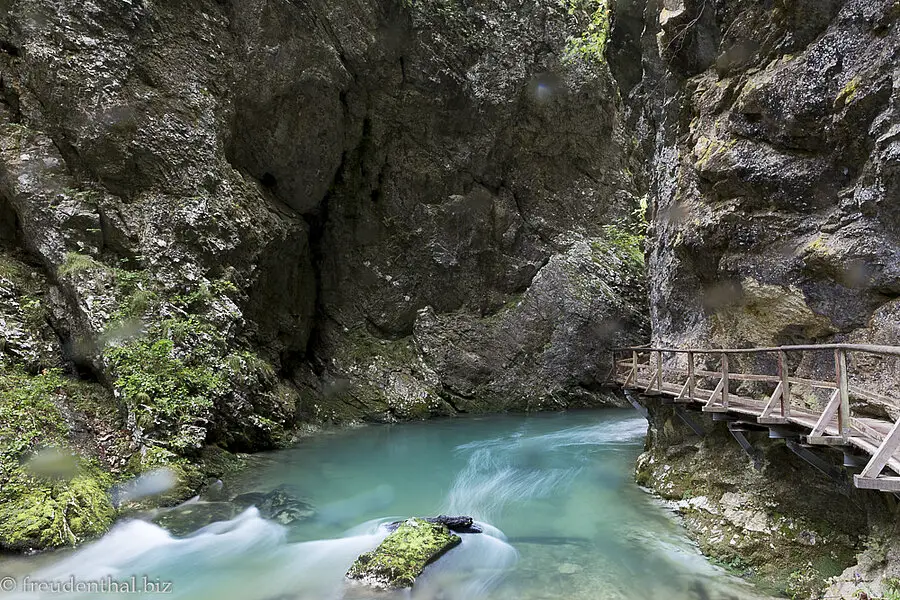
[632, 398]
[815, 461]
[695, 427]
[754, 454]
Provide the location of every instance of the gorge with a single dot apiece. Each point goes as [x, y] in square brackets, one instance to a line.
[227, 223]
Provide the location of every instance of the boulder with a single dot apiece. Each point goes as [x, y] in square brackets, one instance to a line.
[404, 554]
[281, 504]
[189, 517]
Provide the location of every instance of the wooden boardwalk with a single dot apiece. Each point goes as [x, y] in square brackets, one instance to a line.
[673, 374]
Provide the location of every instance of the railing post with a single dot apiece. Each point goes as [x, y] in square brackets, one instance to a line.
[659, 381]
[634, 366]
[785, 385]
[840, 367]
[690, 358]
[725, 380]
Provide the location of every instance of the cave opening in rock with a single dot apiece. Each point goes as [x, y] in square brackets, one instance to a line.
[268, 180]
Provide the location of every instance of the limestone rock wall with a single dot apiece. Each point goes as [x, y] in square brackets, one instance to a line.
[771, 131]
[774, 179]
[249, 214]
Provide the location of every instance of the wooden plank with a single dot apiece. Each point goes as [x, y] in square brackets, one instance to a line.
[691, 381]
[814, 383]
[715, 393]
[869, 348]
[659, 376]
[775, 397]
[681, 395]
[872, 396]
[884, 453]
[725, 380]
[827, 415]
[650, 384]
[826, 440]
[840, 365]
[870, 448]
[867, 430]
[740, 376]
[828, 385]
[883, 484]
[785, 385]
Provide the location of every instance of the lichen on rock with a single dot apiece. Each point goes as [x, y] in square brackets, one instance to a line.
[403, 555]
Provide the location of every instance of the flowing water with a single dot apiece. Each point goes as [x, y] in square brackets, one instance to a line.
[554, 492]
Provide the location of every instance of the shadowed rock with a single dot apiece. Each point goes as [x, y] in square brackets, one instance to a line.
[457, 524]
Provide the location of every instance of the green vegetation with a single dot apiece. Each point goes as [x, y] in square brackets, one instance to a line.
[48, 514]
[591, 44]
[28, 414]
[891, 587]
[76, 263]
[403, 555]
[170, 391]
[804, 583]
[629, 246]
[37, 509]
[848, 93]
[626, 237]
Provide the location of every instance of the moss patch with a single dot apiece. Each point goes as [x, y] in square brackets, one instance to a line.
[403, 555]
[37, 513]
[45, 509]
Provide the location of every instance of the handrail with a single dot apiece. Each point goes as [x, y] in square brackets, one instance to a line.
[870, 348]
[651, 378]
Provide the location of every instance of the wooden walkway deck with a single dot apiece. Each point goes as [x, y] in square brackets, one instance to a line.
[673, 374]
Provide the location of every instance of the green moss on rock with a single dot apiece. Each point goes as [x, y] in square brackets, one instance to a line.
[404, 554]
[39, 510]
[37, 513]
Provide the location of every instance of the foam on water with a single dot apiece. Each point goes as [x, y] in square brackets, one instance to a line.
[558, 485]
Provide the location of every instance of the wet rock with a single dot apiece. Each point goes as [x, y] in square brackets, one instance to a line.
[403, 555]
[547, 348]
[569, 568]
[214, 490]
[457, 524]
[187, 518]
[281, 504]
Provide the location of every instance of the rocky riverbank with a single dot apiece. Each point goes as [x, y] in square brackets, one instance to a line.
[771, 517]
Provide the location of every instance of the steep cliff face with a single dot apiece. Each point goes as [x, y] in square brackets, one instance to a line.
[775, 170]
[773, 136]
[239, 215]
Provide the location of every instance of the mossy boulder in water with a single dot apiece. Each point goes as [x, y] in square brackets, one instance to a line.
[50, 494]
[404, 554]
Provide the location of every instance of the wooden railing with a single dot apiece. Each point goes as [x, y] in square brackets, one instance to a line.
[644, 368]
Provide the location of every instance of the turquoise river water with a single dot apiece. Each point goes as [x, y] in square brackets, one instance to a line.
[563, 519]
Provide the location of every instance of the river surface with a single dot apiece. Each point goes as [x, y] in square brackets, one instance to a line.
[562, 518]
